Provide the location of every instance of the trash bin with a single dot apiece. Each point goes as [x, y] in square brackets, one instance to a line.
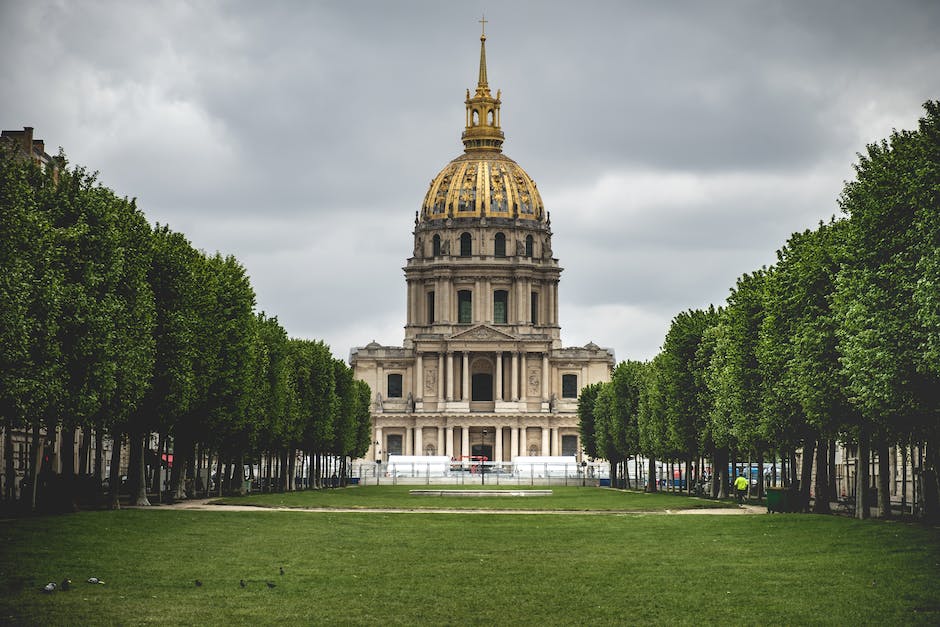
[778, 500]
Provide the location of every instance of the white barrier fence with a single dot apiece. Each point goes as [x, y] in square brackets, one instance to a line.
[415, 470]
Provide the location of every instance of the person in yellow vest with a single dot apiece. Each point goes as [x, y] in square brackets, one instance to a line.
[740, 487]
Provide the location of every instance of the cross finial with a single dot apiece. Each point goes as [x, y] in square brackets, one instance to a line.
[483, 22]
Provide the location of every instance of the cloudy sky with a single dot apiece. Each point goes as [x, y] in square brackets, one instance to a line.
[676, 144]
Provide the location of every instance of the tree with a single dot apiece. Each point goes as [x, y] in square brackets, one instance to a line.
[30, 305]
[885, 323]
[586, 420]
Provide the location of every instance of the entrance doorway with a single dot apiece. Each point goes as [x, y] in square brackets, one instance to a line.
[481, 387]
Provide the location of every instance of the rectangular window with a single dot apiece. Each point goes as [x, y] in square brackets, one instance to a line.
[394, 386]
[534, 308]
[500, 306]
[569, 386]
[569, 445]
[430, 301]
[464, 307]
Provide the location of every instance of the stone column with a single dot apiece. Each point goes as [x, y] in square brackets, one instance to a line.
[450, 376]
[449, 441]
[515, 376]
[513, 443]
[440, 440]
[464, 441]
[378, 449]
[440, 377]
[499, 375]
[523, 442]
[498, 449]
[545, 377]
[524, 394]
[419, 377]
[419, 441]
[465, 393]
[556, 442]
[477, 302]
[555, 302]
[546, 450]
[409, 439]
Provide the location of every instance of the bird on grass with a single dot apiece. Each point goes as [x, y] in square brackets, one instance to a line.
[282, 571]
[95, 580]
[198, 583]
[242, 583]
[49, 587]
[271, 584]
[66, 583]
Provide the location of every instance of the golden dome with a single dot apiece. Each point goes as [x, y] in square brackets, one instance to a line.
[482, 182]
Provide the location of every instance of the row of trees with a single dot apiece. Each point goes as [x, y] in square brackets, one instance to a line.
[839, 340]
[112, 329]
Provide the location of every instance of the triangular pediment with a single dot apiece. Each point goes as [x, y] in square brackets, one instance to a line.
[482, 333]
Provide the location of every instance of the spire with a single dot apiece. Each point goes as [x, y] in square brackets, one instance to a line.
[482, 130]
[482, 86]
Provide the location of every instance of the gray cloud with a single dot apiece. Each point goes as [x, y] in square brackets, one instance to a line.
[677, 145]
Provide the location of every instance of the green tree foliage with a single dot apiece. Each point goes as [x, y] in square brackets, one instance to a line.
[30, 304]
[586, 421]
[884, 292]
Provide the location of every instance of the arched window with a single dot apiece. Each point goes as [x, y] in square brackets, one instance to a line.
[534, 307]
[465, 244]
[528, 246]
[499, 245]
[464, 306]
[500, 306]
[490, 117]
[475, 118]
[436, 245]
[430, 308]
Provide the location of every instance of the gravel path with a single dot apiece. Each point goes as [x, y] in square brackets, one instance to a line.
[207, 505]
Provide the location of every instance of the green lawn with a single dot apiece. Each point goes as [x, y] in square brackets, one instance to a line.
[414, 568]
[562, 498]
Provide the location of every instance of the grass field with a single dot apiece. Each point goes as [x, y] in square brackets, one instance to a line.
[562, 498]
[422, 568]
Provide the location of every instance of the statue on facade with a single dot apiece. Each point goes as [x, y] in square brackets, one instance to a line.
[419, 247]
[377, 403]
[553, 403]
[410, 403]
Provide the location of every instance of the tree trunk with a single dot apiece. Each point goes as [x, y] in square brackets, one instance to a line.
[721, 472]
[141, 470]
[67, 454]
[806, 472]
[220, 477]
[760, 474]
[930, 483]
[903, 479]
[38, 446]
[114, 476]
[831, 470]
[182, 451]
[861, 476]
[282, 466]
[156, 484]
[84, 452]
[9, 469]
[651, 481]
[99, 459]
[884, 477]
[823, 496]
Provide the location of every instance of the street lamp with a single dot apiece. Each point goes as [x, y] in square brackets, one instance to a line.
[483, 461]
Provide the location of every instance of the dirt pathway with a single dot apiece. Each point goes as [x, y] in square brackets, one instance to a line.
[207, 505]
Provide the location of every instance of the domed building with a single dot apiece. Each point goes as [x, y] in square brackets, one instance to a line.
[482, 371]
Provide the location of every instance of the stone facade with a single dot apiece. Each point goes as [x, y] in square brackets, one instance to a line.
[482, 370]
